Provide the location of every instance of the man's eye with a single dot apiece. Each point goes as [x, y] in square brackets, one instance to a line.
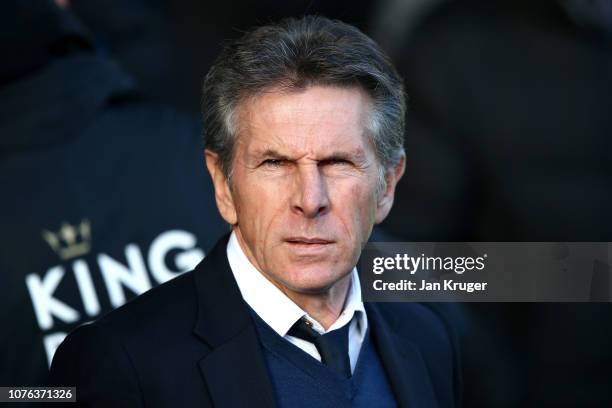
[273, 162]
[335, 162]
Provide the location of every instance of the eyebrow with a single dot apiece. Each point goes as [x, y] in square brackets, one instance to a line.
[271, 153]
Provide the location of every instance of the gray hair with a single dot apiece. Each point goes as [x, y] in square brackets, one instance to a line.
[295, 54]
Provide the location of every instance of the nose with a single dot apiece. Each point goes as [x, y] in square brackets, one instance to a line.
[310, 198]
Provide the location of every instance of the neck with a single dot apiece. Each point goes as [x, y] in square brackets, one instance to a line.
[324, 307]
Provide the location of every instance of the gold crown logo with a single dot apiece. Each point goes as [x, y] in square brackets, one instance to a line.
[71, 240]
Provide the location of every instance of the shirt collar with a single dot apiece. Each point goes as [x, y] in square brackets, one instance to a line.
[274, 307]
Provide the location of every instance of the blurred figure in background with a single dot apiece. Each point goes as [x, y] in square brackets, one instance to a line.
[508, 139]
[103, 195]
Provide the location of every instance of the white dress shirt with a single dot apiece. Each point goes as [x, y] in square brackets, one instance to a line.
[280, 313]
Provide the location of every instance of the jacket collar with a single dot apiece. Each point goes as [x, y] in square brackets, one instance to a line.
[222, 313]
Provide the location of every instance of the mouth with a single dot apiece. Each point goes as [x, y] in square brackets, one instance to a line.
[309, 248]
[308, 241]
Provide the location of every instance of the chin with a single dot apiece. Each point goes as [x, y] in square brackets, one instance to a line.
[314, 280]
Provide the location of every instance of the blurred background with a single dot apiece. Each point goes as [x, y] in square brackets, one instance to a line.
[104, 193]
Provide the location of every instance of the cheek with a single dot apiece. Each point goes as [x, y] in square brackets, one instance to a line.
[357, 206]
[258, 207]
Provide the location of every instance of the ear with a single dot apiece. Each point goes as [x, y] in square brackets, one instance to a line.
[385, 201]
[223, 194]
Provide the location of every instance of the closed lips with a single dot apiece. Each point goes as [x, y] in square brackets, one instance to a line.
[308, 241]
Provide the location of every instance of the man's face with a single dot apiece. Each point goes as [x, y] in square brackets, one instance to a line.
[303, 195]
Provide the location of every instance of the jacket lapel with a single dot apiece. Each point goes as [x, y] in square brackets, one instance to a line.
[236, 374]
[403, 364]
[234, 370]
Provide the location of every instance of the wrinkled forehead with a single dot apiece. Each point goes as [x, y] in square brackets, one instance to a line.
[314, 120]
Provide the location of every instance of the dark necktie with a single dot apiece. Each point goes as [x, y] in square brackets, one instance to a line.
[332, 346]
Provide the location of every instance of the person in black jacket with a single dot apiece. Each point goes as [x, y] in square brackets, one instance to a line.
[103, 195]
[304, 124]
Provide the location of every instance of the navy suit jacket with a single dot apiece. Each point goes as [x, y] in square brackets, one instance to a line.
[192, 343]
